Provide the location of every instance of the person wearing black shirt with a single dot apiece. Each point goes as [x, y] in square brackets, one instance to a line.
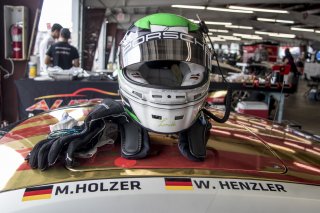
[288, 59]
[62, 54]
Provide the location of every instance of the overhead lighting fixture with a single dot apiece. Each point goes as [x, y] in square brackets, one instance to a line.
[228, 10]
[257, 9]
[273, 34]
[189, 7]
[302, 29]
[231, 38]
[262, 32]
[252, 38]
[218, 31]
[317, 31]
[218, 23]
[266, 19]
[212, 22]
[284, 21]
[276, 20]
[217, 39]
[282, 35]
[239, 27]
[240, 34]
[247, 36]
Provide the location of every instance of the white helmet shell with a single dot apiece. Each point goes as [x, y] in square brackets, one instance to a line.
[164, 77]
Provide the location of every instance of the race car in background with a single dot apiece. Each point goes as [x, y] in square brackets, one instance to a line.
[248, 83]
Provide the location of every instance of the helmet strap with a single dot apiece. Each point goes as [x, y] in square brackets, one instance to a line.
[134, 141]
[193, 141]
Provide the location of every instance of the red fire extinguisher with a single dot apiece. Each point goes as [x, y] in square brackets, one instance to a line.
[16, 36]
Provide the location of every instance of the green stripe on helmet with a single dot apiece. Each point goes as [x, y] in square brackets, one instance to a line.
[133, 116]
[165, 19]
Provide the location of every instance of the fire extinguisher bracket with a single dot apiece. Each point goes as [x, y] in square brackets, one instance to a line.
[15, 32]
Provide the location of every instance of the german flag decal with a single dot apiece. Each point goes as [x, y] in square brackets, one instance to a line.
[178, 184]
[37, 193]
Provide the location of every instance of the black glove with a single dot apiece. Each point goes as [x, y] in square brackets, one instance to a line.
[47, 152]
[86, 143]
[32, 157]
[110, 109]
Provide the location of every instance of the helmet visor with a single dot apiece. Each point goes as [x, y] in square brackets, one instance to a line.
[165, 46]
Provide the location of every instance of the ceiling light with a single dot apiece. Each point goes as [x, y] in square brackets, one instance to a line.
[228, 10]
[240, 34]
[261, 32]
[282, 35]
[226, 36]
[273, 34]
[232, 38]
[247, 36]
[302, 29]
[266, 19]
[218, 31]
[317, 31]
[252, 38]
[189, 6]
[285, 21]
[258, 9]
[218, 23]
[217, 39]
[275, 20]
[239, 27]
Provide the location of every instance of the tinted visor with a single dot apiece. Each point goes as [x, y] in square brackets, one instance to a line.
[165, 46]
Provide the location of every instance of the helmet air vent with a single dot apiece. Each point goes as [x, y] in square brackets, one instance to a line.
[158, 117]
[197, 96]
[181, 96]
[137, 94]
[180, 117]
[156, 96]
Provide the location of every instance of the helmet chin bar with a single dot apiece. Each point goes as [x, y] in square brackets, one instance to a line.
[163, 118]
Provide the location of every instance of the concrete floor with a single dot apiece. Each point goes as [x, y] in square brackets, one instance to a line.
[300, 110]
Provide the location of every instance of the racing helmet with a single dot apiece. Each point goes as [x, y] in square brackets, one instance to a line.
[164, 72]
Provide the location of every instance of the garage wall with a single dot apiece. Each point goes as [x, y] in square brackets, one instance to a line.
[9, 101]
[93, 19]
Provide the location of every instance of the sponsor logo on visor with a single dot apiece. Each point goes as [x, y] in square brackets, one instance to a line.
[164, 35]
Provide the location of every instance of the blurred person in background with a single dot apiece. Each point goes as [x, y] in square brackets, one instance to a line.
[300, 63]
[46, 43]
[288, 60]
[61, 53]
